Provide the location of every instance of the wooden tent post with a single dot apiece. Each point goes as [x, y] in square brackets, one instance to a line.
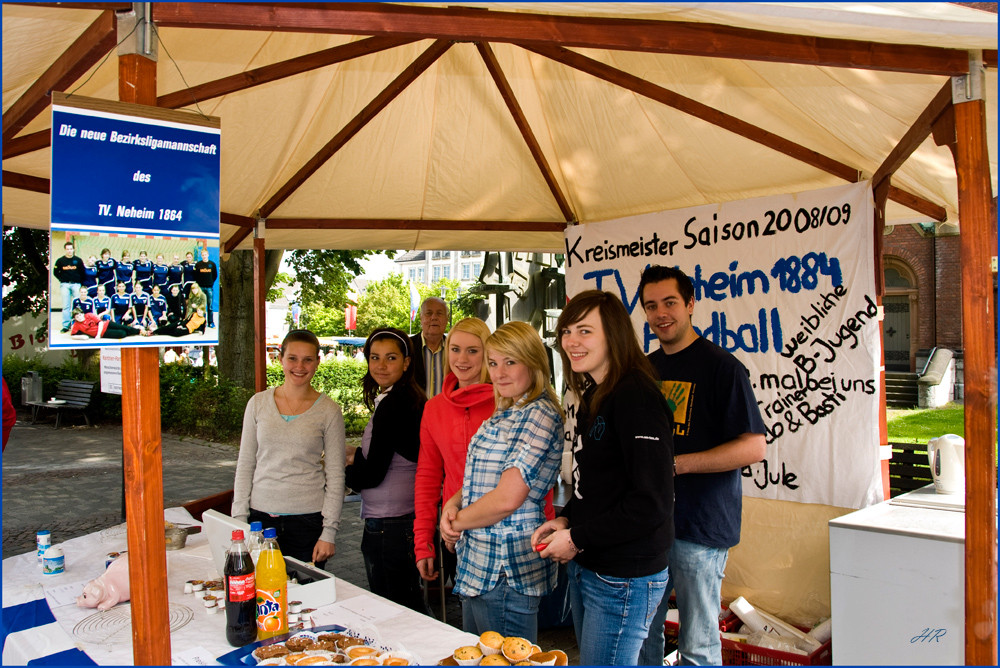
[259, 314]
[141, 442]
[880, 195]
[976, 242]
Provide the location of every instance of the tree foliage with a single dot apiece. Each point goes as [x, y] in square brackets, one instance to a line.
[25, 271]
[386, 303]
[325, 275]
[322, 320]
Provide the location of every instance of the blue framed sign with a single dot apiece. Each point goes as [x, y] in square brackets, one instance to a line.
[115, 171]
[135, 226]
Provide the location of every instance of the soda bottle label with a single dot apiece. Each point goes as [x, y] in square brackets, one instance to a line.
[242, 587]
[269, 618]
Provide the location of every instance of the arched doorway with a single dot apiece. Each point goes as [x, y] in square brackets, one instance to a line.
[900, 326]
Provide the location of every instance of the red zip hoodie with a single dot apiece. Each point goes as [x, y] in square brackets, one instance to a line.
[450, 420]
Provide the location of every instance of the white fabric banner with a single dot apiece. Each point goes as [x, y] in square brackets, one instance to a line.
[787, 284]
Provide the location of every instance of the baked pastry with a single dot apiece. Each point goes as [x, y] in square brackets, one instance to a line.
[346, 642]
[543, 659]
[490, 642]
[494, 660]
[295, 657]
[299, 643]
[516, 649]
[270, 651]
[469, 655]
[358, 651]
[322, 645]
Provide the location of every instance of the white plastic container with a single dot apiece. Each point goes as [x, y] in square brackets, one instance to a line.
[758, 620]
[53, 561]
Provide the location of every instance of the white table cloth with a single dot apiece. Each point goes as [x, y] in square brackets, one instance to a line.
[40, 615]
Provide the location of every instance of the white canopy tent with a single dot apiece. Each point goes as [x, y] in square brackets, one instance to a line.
[704, 113]
[492, 126]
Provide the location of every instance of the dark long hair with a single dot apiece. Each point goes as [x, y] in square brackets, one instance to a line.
[370, 388]
[624, 354]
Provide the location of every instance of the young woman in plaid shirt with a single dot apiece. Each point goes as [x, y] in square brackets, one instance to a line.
[512, 463]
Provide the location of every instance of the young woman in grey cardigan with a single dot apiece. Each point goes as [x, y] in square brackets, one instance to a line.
[290, 471]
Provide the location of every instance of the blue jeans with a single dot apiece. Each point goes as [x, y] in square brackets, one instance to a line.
[68, 292]
[391, 566]
[208, 300]
[502, 609]
[696, 574]
[611, 615]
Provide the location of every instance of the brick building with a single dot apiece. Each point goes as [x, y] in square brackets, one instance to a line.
[923, 293]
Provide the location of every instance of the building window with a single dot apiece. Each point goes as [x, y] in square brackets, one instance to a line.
[420, 275]
[413, 273]
[466, 253]
[466, 271]
[477, 268]
[476, 253]
[440, 255]
[435, 274]
[446, 271]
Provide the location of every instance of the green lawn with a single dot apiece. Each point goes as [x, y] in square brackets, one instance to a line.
[919, 425]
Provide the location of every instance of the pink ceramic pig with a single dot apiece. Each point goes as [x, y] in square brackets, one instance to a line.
[109, 589]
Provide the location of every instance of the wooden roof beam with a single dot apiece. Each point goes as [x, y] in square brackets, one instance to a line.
[397, 86]
[245, 225]
[415, 224]
[34, 141]
[718, 118]
[477, 25]
[915, 136]
[92, 45]
[20, 181]
[281, 70]
[507, 93]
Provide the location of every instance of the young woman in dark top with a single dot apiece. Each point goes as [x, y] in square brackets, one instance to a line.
[384, 468]
[616, 529]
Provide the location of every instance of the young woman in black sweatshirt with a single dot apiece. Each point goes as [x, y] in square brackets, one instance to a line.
[616, 529]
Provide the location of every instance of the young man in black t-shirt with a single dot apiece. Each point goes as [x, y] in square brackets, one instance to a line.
[717, 431]
[69, 270]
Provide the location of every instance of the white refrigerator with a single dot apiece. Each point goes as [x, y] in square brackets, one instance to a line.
[897, 580]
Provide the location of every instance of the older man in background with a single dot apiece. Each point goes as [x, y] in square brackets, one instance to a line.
[427, 346]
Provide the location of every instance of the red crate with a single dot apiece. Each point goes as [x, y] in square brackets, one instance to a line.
[728, 621]
[743, 654]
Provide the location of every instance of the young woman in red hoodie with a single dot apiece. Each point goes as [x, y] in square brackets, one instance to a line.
[449, 422]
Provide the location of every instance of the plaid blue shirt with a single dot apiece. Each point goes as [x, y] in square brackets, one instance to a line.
[528, 438]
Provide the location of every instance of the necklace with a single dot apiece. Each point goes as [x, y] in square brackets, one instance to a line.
[297, 407]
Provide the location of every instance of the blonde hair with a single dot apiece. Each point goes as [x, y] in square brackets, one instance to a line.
[520, 341]
[480, 330]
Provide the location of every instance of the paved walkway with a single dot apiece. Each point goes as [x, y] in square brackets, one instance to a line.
[69, 481]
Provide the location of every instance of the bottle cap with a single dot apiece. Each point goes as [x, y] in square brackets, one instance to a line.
[43, 532]
[256, 526]
[270, 532]
[237, 534]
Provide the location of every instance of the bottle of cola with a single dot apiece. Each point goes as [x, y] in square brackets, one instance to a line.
[241, 593]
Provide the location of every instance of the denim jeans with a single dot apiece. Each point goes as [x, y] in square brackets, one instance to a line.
[68, 292]
[696, 574]
[387, 548]
[502, 609]
[297, 534]
[208, 300]
[611, 615]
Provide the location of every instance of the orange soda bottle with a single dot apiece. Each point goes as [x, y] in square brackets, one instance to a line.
[272, 591]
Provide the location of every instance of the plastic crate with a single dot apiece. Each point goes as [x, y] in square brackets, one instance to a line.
[743, 654]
